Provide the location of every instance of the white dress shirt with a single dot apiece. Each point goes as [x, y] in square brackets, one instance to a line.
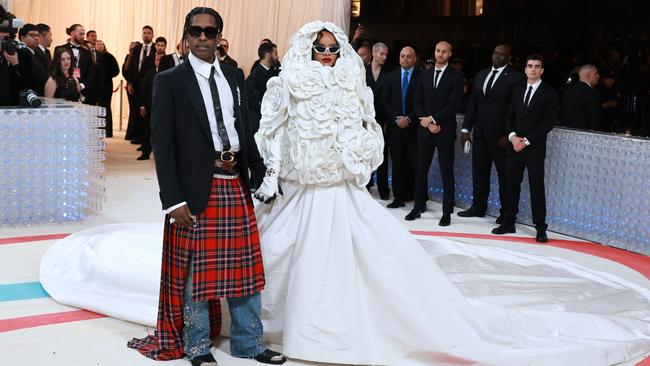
[148, 46]
[202, 73]
[535, 85]
[437, 82]
[489, 75]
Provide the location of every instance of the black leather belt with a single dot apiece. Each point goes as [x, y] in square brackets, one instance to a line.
[226, 163]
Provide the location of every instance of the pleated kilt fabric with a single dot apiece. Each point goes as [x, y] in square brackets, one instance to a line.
[225, 245]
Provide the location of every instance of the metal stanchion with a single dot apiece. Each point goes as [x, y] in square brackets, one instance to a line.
[121, 97]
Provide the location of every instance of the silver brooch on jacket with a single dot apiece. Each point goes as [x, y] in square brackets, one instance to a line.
[238, 97]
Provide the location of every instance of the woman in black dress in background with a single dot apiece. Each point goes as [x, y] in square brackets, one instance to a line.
[61, 83]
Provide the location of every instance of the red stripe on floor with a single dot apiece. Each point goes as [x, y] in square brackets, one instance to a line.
[7, 325]
[26, 239]
[645, 362]
[637, 262]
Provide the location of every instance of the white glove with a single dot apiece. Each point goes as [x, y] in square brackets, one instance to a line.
[268, 190]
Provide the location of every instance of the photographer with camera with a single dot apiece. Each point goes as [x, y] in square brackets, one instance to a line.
[15, 62]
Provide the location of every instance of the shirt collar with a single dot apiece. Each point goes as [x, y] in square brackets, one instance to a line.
[409, 70]
[586, 83]
[265, 67]
[41, 47]
[442, 69]
[500, 69]
[535, 84]
[203, 68]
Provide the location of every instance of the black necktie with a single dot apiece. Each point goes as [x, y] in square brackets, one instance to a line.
[221, 126]
[146, 50]
[528, 94]
[435, 79]
[488, 87]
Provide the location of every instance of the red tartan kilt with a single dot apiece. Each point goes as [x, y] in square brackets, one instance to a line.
[225, 245]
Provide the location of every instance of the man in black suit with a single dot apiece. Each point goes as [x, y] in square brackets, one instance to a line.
[376, 73]
[44, 42]
[531, 115]
[224, 58]
[581, 105]
[256, 81]
[438, 95]
[83, 65]
[174, 59]
[486, 118]
[203, 151]
[401, 122]
[29, 35]
[140, 61]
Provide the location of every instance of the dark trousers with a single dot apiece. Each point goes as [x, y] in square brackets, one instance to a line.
[381, 173]
[403, 153]
[515, 166]
[146, 136]
[425, 151]
[106, 102]
[484, 153]
[134, 128]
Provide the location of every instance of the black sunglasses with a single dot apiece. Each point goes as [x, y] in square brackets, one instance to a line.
[322, 49]
[210, 32]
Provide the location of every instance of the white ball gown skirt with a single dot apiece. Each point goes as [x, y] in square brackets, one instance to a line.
[347, 283]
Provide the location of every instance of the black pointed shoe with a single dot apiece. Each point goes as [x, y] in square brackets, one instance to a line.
[504, 229]
[471, 212]
[541, 236]
[270, 357]
[445, 220]
[396, 204]
[414, 214]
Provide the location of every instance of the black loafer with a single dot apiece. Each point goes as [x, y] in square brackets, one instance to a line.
[414, 214]
[396, 204]
[471, 212]
[270, 357]
[504, 229]
[205, 360]
[445, 220]
[541, 236]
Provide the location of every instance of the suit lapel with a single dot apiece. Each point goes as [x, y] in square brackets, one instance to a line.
[196, 99]
[536, 97]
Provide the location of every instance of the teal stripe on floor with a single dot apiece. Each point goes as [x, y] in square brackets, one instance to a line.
[22, 291]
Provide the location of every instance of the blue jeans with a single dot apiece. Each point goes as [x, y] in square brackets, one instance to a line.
[245, 326]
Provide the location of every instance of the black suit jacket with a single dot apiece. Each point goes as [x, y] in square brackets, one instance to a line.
[535, 121]
[486, 116]
[88, 72]
[135, 76]
[182, 140]
[441, 103]
[40, 70]
[391, 101]
[228, 61]
[377, 87]
[167, 62]
[256, 87]
[581, 107]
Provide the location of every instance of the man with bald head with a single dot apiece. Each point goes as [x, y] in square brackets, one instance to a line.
[581, 103]
[438, 95]
[401, 122]
[485, 117]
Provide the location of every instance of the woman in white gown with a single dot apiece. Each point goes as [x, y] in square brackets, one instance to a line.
[347, 283]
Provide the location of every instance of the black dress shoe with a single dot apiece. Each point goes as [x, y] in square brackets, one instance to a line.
[423, 209]
[471, 212]
[136, 142]
[270, 357]
[396, 204]
[414, 214]
[139, 149]
[445, 220]
[541, 236]
[499, 220]
[504, 229]
[205, 360]
[143, 157]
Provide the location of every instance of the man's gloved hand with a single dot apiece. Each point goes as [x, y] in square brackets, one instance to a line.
[268, 190]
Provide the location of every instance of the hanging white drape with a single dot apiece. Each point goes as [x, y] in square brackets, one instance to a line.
[246, 22]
